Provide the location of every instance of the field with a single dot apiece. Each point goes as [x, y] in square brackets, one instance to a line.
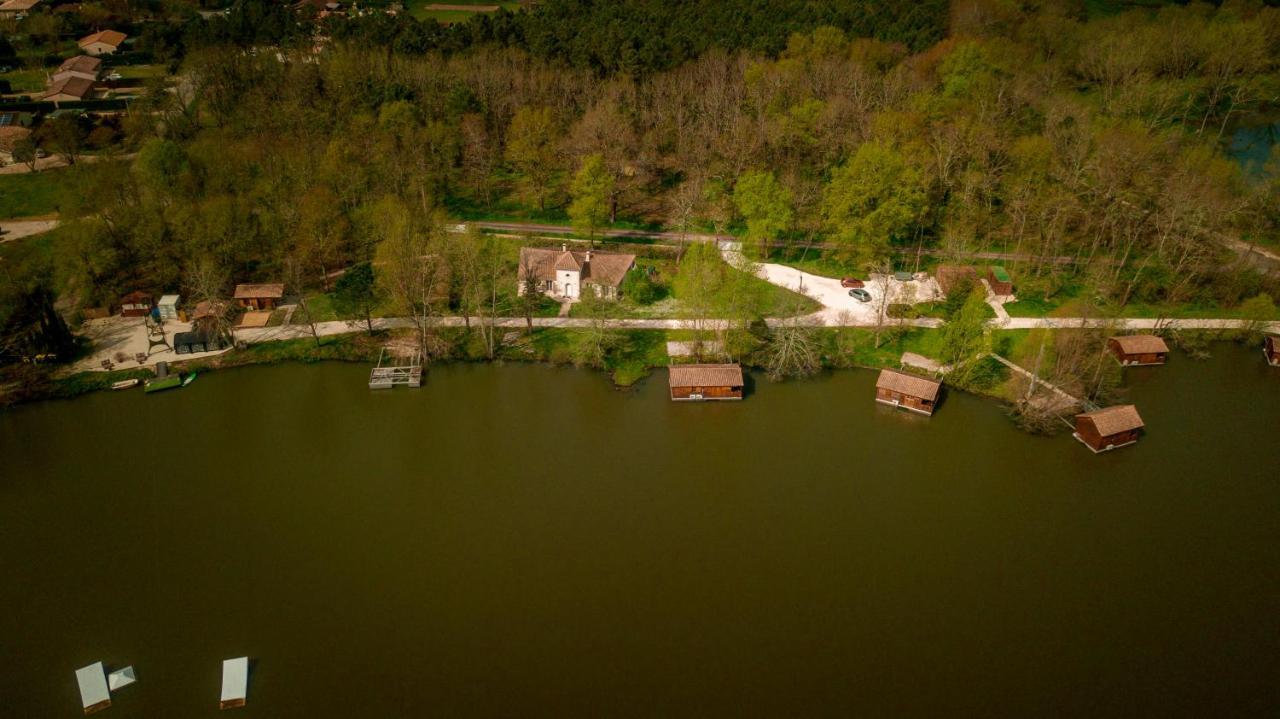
[29, 194]
[450, 10]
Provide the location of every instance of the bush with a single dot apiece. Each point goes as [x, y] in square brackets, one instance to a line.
[640, 288]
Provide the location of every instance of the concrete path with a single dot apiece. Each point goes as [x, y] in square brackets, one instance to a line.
[11, 230]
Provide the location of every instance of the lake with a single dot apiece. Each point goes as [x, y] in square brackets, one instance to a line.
[523, 540]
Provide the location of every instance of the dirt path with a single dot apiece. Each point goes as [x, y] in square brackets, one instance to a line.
[12, 230]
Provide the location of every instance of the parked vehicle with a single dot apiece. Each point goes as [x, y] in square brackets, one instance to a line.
[860, 295]
[851, 282]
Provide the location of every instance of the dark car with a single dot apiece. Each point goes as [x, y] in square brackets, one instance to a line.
[851, 282]
[860, 295]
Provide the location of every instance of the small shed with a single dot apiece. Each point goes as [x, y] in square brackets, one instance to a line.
[899, 389]
[235, 682]
[135, 304]
[1138, 349]
[168, 307]
[954, 277]
[1001, 284]
[94, 694]
[259, 297]
[1108, 428]
[696, 382]
[1271, 348]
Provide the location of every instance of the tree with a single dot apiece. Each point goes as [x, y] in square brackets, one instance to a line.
[531, 149]
[35, 328]
[295, 278]
[530, 289]
[591, 189]
[26, 152]
[357, 293]
[412, 270]
[698, 284]
[793, 349]
[765, 205]
[874, 198]
[965, 339]
[65, 136]
[592, 344]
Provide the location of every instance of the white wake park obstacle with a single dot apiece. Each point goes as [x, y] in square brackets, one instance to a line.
[94, 694]
[235, 682]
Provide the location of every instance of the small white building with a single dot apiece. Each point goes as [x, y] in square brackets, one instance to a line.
[566, 273]
[168, 307]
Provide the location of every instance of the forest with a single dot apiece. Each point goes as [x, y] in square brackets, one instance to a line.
[852, 136]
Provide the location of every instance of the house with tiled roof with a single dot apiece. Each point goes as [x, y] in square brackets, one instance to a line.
[567, 274]
[68, 89]
[103, 42]
[82, 66]
[1108, 428]
[1138, 349]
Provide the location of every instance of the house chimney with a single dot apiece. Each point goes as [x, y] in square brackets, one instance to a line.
[564, 247]
[588, 257]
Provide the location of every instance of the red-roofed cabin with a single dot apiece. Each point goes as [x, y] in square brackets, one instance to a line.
[694, 382]
[907, 391]
[135, 304]
[259, 297]
[1139, 349]
[1271, 347]
[1109, 428]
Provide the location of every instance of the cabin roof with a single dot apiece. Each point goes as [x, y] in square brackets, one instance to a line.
[18, 5]
[1000, 274]
[705, 375]
[106, 37]
[1114, 420]
[274, 291]
[1140, 344]
[170, 299]
[908, 384]
[135, 297]
[601, 268]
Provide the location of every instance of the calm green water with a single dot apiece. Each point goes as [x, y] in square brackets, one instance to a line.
[527, 541]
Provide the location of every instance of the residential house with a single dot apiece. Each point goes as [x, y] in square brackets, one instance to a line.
[259, 297]
[566, 274]
[82, 66]
[907, 391]
[1108, 428]
[103, 42]
[696, 382]
[69, 89]
[1138, 349]
[17, 9]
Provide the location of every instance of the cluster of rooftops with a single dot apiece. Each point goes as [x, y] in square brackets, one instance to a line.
[1100, 429]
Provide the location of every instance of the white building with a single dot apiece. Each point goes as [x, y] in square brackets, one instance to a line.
[566, 273]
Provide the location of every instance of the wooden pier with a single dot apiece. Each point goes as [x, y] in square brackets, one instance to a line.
[389, 374]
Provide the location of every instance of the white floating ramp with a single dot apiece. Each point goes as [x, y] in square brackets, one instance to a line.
[94, 694]
[235, 682]
[121, 678]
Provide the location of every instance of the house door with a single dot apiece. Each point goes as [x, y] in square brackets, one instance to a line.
[569, 290]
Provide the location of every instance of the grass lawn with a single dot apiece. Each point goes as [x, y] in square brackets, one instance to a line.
[140, 72]
[30, 193]
[419, 9]
[24, 81]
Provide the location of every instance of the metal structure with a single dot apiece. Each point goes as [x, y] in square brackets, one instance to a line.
[155, 335]
[387, 375]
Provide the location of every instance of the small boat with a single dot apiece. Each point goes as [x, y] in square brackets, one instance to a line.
[189, 379]
[162, 383]
[125, 383]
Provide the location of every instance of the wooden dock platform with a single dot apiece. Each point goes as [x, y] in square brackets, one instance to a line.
[388, 374]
